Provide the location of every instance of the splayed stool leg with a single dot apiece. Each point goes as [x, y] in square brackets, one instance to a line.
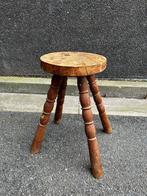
[60, 100]
[94, 152]
[44, 119]
[99, 103]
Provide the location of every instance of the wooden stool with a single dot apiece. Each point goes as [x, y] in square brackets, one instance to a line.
[84, 66]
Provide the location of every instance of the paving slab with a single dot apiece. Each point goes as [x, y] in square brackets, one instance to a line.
[34, 103]
[63, 167]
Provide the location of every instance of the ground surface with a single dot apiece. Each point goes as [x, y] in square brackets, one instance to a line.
[62, 168]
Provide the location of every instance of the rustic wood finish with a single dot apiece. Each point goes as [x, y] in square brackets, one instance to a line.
[60, 100]
[84, 66]
[73, 63]
[44, 119]
[90, 130]
[99, 103]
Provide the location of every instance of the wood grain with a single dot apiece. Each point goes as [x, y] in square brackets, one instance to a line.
[73, 63]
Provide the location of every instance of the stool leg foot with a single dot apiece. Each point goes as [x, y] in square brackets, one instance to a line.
[90, 130]
[60, 101]
[99, 103]
[44, 119]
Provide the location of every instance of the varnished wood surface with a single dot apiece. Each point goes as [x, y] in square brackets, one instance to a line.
[73, 63]
[44, 119]
[90, 130]
[99, 103]
[60, 100]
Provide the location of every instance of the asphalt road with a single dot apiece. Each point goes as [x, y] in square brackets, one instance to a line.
[63, 167]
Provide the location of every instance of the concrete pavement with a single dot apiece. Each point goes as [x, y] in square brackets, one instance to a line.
[34, 103]
[109, 88]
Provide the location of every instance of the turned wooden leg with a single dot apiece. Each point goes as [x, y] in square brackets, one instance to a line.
[60, 100]
[99, 103]
[90, 130]
[44, 119]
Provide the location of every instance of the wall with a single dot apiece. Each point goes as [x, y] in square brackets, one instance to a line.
[115, 28]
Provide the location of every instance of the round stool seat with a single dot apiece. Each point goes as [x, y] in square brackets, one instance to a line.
[73, 63]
